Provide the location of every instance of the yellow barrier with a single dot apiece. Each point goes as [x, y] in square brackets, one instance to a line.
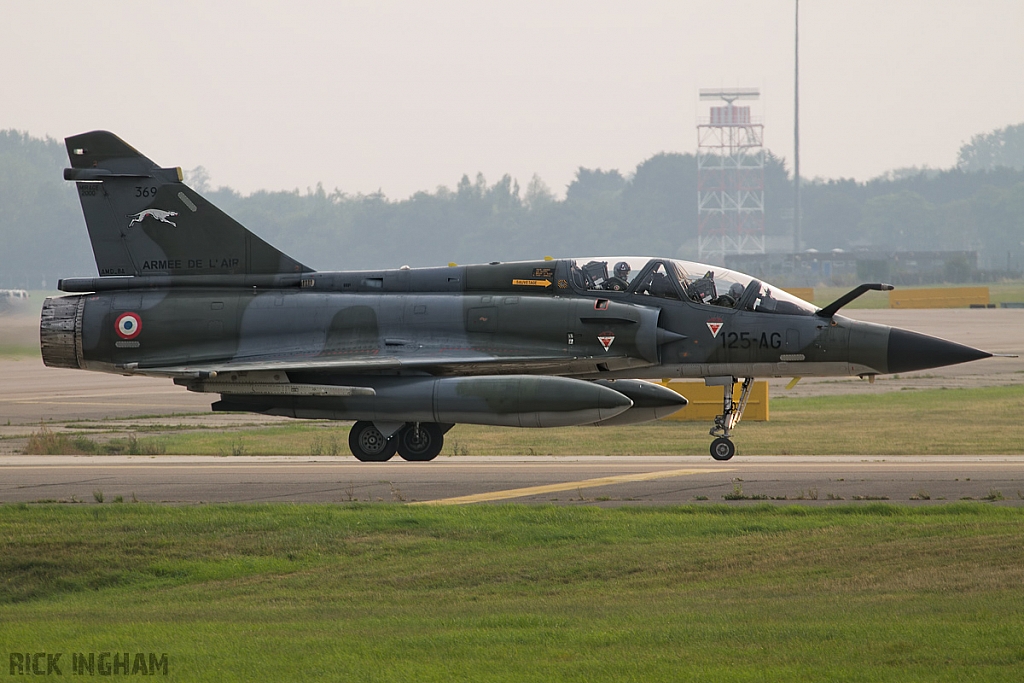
[805, 293]
[705, 403]
[938, 297]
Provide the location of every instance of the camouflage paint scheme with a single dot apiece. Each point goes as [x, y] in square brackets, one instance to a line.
[186, 292]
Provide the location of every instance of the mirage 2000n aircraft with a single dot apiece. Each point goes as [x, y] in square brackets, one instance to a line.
[185, 292]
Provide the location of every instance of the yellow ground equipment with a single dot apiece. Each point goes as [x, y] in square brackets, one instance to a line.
[705, 403]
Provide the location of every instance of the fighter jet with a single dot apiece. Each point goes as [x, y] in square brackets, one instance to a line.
[187, 293]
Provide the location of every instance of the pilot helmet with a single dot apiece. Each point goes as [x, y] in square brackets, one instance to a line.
[622, 269]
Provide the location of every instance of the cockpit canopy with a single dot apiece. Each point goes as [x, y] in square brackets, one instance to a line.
[675, 279]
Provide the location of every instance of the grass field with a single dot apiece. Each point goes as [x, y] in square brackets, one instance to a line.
[923, 422]
[391, 593]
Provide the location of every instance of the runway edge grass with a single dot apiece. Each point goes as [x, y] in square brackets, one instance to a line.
[515, 593]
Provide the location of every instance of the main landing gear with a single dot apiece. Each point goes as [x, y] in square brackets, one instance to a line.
[414, 441]
[722, 448]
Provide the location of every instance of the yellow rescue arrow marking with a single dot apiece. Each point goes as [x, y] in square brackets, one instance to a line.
[532, 283]
[565, 486]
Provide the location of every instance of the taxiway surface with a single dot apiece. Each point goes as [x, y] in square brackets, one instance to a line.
[606, 481]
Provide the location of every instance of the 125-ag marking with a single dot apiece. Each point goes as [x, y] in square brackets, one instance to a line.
[747, 340]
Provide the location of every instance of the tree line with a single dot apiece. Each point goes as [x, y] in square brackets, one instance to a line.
[651, 209]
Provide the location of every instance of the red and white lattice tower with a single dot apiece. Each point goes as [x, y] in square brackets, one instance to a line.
[730, 177]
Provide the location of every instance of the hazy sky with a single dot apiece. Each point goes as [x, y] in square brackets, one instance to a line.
[406, 96]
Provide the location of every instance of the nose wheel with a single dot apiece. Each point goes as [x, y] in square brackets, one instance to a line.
[722, 448]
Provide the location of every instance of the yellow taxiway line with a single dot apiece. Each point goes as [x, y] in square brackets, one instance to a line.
[565, 486]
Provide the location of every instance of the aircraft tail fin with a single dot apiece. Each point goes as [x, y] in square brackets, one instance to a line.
[143, 220]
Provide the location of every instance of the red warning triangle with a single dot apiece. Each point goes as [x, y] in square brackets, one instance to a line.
[606, 340]
[715, 327]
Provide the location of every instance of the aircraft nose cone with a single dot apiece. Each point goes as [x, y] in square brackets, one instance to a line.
[914, 351]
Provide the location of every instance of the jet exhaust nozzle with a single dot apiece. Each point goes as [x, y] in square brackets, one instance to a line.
[60, 332]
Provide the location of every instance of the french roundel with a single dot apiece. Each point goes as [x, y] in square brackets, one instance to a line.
[128, 325]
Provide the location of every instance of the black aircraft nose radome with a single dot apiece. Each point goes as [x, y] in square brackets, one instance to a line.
[914, 351]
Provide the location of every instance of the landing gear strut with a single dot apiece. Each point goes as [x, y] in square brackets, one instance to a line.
[722, 448]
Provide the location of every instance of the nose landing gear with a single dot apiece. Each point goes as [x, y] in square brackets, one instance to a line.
[722, 448]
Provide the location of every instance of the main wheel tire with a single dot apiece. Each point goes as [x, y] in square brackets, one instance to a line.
[368, 444]
[420, 444]
[722, 449]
